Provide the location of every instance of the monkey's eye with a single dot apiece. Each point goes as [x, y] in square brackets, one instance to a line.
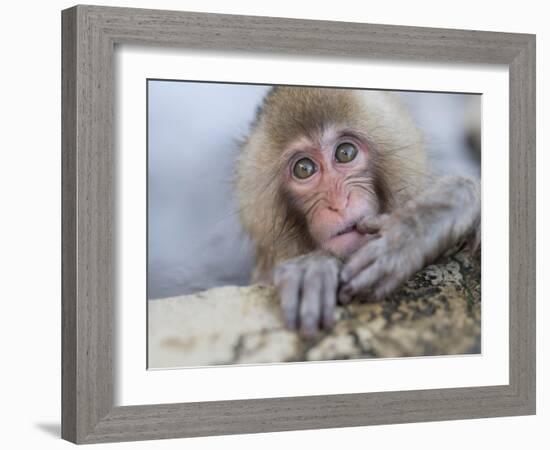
[345, 152]
[304, 168]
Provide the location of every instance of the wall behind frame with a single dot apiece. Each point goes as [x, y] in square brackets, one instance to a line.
[30, 229]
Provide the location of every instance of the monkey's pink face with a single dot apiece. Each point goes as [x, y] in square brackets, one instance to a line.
[328, 181]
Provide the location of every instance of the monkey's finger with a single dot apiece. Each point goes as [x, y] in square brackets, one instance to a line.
[361, 259]
[330, 287]
[344, 296]
[371, 224]
[310, 308]
[386, 286]
[288, 286]
[364, 280]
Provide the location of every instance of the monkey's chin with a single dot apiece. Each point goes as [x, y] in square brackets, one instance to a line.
[344, 244]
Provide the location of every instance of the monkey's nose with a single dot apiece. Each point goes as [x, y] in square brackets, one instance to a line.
[339, 204]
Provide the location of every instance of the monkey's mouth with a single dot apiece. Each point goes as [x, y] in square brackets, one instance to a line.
[348, 229]
[344, 241]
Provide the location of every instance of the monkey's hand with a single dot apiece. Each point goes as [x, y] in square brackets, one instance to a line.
[307, 287]
[403, 242]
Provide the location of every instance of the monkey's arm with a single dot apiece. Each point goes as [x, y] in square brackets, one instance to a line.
[411, 237]
[307, 287]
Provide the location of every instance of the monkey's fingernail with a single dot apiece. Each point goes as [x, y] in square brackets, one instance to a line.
[361, 228]
[344, 296]
[344, 276]
[290, 324]
[308, 333]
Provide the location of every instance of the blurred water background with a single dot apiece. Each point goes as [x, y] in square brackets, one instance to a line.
[195, 241]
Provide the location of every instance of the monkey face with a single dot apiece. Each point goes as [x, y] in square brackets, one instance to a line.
[329, 182]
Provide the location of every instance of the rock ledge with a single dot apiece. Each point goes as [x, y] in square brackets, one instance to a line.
[437, 312]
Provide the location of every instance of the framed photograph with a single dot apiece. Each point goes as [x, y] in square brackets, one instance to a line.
[278, 224]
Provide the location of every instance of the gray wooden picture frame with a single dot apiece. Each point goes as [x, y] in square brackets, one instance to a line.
[90, 34]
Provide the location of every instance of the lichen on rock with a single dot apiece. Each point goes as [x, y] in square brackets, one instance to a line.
[437, 312]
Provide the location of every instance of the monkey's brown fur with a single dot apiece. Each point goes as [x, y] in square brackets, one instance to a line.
[287, 113]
